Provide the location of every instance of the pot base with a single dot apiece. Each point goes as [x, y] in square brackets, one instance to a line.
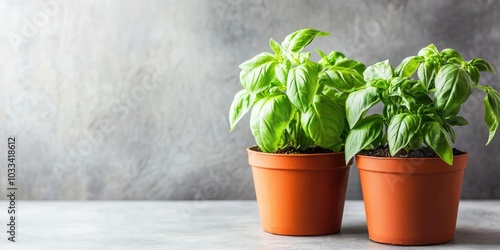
[406, 243]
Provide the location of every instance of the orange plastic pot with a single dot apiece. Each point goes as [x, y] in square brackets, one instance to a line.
[300, 194]
[411, 201]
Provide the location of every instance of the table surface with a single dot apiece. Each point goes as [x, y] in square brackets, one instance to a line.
[207, 225]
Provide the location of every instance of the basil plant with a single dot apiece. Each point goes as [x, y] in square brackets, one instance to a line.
[418, 112]
[294, 101]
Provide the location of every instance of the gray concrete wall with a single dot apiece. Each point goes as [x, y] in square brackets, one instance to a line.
[129, 99]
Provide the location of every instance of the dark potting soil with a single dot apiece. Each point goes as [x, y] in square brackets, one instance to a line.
[292, 150]
[425, 152]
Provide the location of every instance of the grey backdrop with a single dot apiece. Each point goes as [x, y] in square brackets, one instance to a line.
[129, 99]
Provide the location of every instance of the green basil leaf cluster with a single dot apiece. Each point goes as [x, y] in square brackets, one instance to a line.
[295, 101]
[418, 112]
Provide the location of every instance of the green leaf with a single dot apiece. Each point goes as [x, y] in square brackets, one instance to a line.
[450, 131]
[400, 131]
[332, 58]
[379, 83]
[343, 79]
[417, 140]
[450, 53]
[281, 71]
[335, 95]
[299, 39]
[366, 131]
[304, 57]
[276, 47]
[351, 64]
[324, 57]
[380, 70]
[453, 87]
[296, 136]
[492, 111]
[426, 73]
[418, 87]
[422, 98]
[389, 111]
[257, 73]
[408, 66]
[436, 137]
[473, 73]
[302, 83]
[242, 103]
[304, 141]
[482, 65]
[428, 51]
[456, 121]
[269, 119]
[359, 102]
[324, 121]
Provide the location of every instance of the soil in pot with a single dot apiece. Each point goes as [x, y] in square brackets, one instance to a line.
[424, 152]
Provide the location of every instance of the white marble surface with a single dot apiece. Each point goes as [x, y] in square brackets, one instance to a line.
[208, 225]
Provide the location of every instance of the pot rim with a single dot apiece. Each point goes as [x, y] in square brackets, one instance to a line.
[307, 162]
[408, 158]
[410, 166]
[292, 155]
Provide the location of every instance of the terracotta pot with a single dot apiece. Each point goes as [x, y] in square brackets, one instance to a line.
[300, 194]
[411, 201]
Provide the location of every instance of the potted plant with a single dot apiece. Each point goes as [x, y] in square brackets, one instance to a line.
[299, 123]
[410, 176]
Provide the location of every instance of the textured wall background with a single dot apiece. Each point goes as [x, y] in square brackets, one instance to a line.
[128, 99]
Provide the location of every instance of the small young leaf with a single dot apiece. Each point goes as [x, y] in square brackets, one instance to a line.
[324, 121]
[276, 47]
[401, 130]
[482, 65]
[436, 138]
[324, 57]
[408, 66]
[428, 51]
[332, 58]
[299, 39]
[366, 131]
[302, 83]
[379, 83]
[269, 119]
[359, 102]
[453, 87]
[380, 70]
[242, 103]
[257, 73]
[304, 57]
[450, 53]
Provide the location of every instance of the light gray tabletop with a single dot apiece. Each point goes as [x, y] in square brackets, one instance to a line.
[207, 225]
